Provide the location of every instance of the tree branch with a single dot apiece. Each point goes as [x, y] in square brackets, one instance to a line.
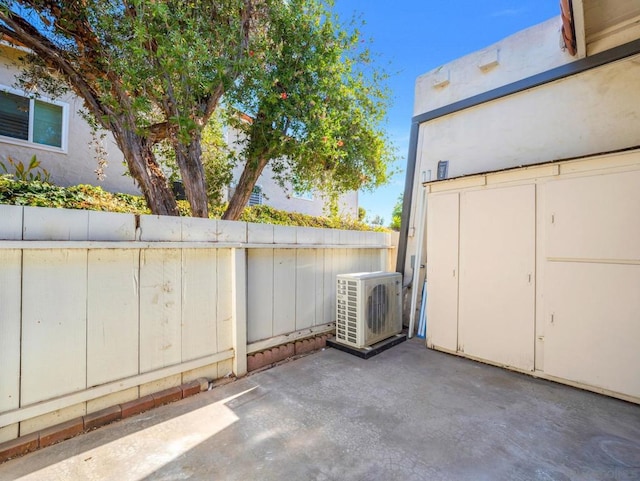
[22, 31]
[247, 15]
[158, 132]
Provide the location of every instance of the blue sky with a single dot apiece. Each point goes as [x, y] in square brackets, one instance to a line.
[416, 36]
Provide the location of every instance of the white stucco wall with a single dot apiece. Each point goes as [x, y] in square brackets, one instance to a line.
[76, 164]
[596, 111]
[585, 114]
[285, 199]
[522, 55]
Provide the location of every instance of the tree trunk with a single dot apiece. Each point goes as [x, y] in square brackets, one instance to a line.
[247, 182]
[192, 172]
[145, 170]
[137, 150]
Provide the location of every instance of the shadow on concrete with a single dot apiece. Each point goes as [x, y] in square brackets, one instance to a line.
[406, 414]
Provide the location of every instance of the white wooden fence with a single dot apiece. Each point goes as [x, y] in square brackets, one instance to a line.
[98, 308]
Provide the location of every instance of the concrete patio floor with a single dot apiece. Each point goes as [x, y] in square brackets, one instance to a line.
[406, 414]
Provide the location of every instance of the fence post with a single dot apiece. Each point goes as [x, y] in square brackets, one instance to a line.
[239, 273]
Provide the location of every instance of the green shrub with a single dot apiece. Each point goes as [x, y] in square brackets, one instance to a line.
[31, 172]
[42, 194]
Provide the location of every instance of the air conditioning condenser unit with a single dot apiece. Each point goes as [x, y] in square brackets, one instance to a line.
[368, 307]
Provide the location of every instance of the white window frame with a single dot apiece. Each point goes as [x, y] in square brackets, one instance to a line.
[30, 143]
[260, 194]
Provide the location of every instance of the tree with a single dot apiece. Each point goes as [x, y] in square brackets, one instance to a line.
[315, 103]
[217, 160]
[146, 71]
[396, 215]
[154, 72]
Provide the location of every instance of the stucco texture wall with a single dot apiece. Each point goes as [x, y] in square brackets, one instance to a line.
[286, 199]
[596, 111]
[76, 164]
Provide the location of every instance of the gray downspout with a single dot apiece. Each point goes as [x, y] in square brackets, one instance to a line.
[406, 201]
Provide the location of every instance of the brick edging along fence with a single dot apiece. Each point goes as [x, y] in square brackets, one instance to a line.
[54, 434]
[276, 354]
[60, 432]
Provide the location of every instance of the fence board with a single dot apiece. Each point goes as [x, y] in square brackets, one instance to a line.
[320, 299]
[260, 292]
[54, 323]
[10, 286]
[284, 290]
[305, 292]
[329, 305]
[160, 308]
[112, 315]
[225, 299]
[199, 310]
[343, 264]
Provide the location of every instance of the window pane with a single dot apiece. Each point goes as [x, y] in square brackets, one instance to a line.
[47, 124]
[256, 196]
[303, 194]
[14, 116]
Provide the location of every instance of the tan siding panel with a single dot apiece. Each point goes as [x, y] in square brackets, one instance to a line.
[497, 266]
[594, 334]
[596, 217]
[442, 271]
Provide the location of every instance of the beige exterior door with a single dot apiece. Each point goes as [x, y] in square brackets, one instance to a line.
[442, 271]
[497, 267]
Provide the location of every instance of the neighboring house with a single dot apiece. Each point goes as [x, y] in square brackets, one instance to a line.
[269, 192]
[55, 131]
[523, 200]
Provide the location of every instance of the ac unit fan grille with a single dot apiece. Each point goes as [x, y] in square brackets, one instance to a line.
[368, 308]
[378, 309]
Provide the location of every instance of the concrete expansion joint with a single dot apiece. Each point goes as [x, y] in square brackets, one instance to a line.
[60, 432]
[270, 357]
